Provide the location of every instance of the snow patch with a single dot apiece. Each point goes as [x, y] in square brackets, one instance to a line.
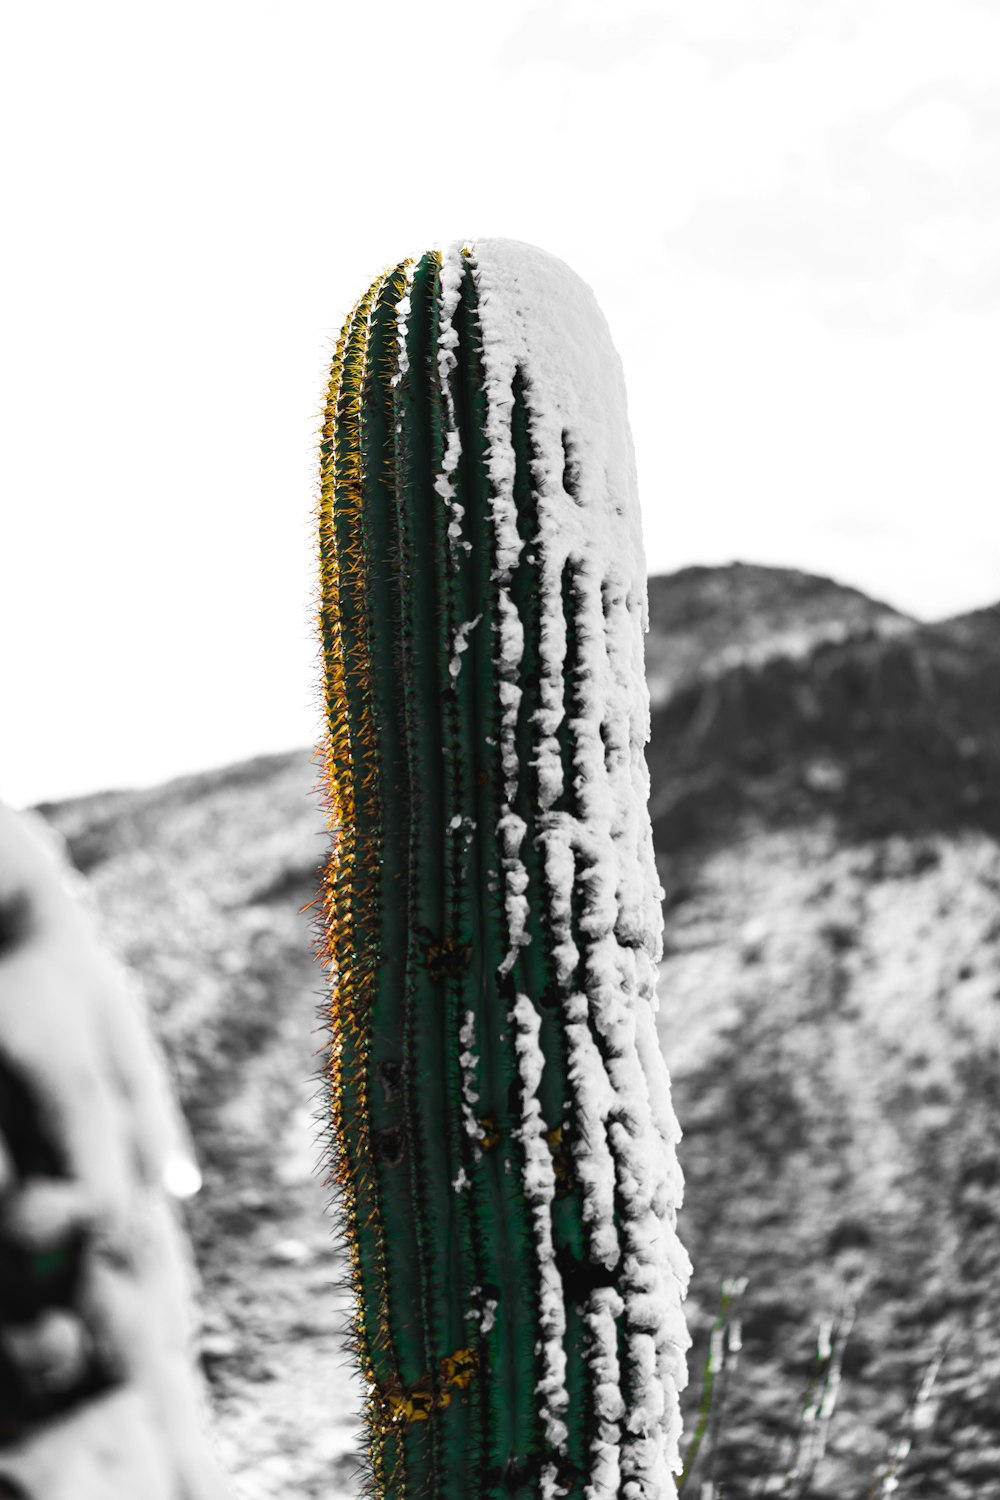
[461, 644]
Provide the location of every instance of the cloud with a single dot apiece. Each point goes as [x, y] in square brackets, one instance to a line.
[891, 215]
[581, 34]
[735, 33]
[597, 37]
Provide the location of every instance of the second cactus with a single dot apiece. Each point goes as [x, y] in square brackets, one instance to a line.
[503, 1140]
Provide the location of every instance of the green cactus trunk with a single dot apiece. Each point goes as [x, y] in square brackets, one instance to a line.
[503, 1141]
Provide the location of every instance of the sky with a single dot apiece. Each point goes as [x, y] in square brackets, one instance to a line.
[789, 211]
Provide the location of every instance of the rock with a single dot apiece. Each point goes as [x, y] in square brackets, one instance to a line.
[753, 939]
[290, 1253]
[218, 1346]
[824, 776]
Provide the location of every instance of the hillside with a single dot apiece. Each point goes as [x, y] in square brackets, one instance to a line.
[827, 826]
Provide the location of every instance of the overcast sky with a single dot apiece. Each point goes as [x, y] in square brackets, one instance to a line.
[789, 211]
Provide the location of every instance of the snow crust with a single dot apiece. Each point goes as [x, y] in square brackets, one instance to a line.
[540, 1190]
[538, 316]
[468, 1062]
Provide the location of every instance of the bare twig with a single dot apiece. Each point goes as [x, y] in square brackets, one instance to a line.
[724, 1345]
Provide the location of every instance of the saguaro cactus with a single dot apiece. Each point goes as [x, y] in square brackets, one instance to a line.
[501, 1127]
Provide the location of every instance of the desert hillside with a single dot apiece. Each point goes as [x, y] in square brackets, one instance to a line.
[825, 780]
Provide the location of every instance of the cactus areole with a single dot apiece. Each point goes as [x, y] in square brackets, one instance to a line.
[501, 1131]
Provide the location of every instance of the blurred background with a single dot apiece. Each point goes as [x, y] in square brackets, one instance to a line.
[789, 211]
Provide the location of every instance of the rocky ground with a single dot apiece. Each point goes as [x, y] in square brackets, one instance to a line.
[826, 807]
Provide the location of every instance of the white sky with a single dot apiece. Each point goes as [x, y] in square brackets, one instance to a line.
[789, 211]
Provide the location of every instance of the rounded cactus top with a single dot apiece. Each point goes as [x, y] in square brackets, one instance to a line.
[536, 313]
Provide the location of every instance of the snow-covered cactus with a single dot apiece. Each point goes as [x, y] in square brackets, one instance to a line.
[502, 1134]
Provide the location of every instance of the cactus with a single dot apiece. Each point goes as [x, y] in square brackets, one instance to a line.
[501, 1131]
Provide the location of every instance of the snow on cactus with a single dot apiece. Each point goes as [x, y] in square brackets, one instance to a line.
[501, 1127]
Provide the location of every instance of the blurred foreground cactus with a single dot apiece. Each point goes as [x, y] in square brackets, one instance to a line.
[502, 1135]
[100, 1394]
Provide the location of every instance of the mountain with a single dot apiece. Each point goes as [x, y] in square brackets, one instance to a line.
[705, 621]
[854, 713]
[824, 793]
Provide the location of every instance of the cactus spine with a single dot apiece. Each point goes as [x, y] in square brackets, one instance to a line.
[501, 1128]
